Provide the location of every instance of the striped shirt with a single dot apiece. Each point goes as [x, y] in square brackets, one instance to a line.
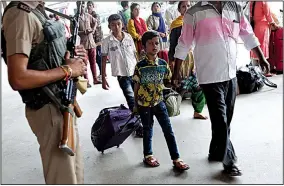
[213, 38]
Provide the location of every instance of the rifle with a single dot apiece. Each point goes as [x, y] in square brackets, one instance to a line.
[69, 105]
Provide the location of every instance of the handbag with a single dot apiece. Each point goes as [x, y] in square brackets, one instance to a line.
[173, 101]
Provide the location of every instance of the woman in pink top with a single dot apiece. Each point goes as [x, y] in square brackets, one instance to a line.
[262, 23]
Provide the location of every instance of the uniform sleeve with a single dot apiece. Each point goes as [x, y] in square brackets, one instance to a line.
[105, 47]
[19, 30]
[99, 31]
[186, 39]
[247, 34]
[93, 23]
[136, 76]
[131, 29]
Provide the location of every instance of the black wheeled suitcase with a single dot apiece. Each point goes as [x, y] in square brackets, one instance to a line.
[113, 126]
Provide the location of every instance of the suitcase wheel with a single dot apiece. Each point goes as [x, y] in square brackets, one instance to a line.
[102, 152]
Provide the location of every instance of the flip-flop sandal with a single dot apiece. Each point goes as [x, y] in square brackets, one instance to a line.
[205, 118]
[180, 165]
[232, 171]
[151, 161]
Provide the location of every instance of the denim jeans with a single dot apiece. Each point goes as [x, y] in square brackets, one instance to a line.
[127, 86]
[99, 57]
[220, 99]
[147, 118]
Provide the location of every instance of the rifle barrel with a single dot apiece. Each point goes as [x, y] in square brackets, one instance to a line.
[59, 13]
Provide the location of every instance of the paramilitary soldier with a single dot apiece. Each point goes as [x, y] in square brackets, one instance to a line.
[32, 43]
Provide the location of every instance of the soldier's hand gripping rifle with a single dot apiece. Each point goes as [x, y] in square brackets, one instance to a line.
[67, 143]
[69, 105]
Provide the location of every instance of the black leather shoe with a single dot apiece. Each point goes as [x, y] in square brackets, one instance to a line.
[212, 158]
[232, 170]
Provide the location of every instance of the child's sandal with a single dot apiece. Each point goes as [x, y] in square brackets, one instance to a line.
[180, 165]
[151, 161]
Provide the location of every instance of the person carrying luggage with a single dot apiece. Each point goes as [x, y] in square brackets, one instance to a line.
[189, 80]
[149, 77]
[120, 48]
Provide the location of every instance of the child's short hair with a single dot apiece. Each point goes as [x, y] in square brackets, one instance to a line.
[114, 17]
[148, 36]
[124, 4]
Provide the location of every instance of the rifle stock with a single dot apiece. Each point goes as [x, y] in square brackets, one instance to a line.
[77, 109]
[67, 143]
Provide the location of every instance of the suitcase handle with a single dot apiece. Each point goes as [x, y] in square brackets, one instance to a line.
[131, 116]
[265, 79]
[267, 82]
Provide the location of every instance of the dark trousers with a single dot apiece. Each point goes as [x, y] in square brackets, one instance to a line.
[220, 99]
[99, 57]
[127, 86]
[147, 118]
[92, 60]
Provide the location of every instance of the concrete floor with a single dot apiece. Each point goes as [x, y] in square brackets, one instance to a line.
[257, 135]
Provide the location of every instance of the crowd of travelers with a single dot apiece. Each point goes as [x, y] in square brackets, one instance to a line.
[191, 49]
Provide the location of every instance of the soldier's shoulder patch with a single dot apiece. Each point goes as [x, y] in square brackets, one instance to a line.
[24, 7]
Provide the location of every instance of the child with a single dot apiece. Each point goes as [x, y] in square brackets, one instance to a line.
[148, 91]
[120, 49]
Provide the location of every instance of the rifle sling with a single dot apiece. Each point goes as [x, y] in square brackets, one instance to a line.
[67, 109]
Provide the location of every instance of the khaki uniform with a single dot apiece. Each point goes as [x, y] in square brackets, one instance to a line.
[87, 21]
[23, 30]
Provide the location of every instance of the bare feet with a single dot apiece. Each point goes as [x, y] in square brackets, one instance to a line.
[197, 115]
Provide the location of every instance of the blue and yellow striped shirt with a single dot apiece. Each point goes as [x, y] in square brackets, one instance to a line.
[150, 75]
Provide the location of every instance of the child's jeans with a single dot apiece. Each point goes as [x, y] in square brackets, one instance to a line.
[127, 86]
[147, 118]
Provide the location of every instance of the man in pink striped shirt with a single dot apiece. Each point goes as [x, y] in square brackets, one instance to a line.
[211, 30]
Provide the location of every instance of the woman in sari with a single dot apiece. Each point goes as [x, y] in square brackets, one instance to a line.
[136, 28]
[156, 22]
[189, 81]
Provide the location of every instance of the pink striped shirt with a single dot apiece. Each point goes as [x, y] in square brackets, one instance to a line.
[213, 39]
